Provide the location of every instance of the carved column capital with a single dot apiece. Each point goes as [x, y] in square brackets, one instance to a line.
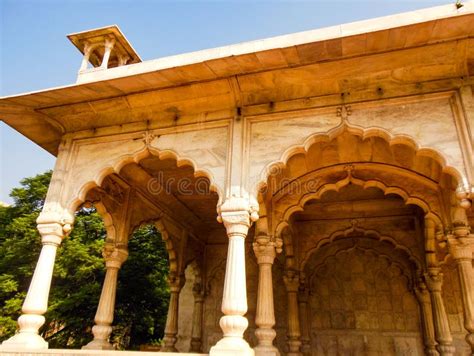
[434, 279]
[109, 43]
[114, 255]
[175, 282]
[422, 293]
[303, 292]
[198, 292]
[266, 248]
[237, 214]
[52, 233]
[460, 242]
[292, 281]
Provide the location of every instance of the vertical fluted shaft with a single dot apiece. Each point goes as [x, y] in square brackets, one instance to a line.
[291, 280]
[265, 251]
[234, 299]
[196, 332]
[460, 247]
[171, 327]
[36, 301]
[424, 301]
[303, 312]
[434, 282]
[114, 258]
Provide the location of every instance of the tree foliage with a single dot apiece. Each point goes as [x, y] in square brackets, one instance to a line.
[142, 294]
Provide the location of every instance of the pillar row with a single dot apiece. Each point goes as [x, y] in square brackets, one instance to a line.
[114, 258]
[292, 284]
[196, 331]
[424, 301]
[434, 282]
[171, 329]
[36, 301]
[265, 250]
[235, 214]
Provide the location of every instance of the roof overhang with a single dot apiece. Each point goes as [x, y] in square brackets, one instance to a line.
[321, 62]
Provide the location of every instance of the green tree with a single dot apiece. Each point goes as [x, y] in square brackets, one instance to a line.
[142, 295]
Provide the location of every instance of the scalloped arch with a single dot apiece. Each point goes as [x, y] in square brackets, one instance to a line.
[364, 133]
[366, 233]
[79, 195]
[107, 219]
[409, 200]
[172, 256]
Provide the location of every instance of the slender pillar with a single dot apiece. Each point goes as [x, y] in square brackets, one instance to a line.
[234, 300]
[36, 301]
[265, 250]
[292, 283]
[423, 297]
[87, 53]
[434, 282]
[303, 296]
[171, 328]
[196, 333]
[460, 246]
[114, 258]
[109, 45]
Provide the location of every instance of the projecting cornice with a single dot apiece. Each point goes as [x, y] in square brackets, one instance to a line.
[400, 55]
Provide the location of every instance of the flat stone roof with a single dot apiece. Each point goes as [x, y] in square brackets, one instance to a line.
[44, 116]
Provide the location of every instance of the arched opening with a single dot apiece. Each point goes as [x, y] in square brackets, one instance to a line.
[351, 198]
[157, 197]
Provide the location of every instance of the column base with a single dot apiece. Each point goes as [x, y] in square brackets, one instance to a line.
[24, 341]
[431, 351]
[445, 350]
[98, 345]
[261, 350]
[232, 346]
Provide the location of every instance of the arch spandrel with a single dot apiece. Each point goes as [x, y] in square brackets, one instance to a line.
[427, 126]
[91, 160]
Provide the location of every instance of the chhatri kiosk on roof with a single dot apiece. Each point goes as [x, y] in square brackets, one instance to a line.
[339, 164]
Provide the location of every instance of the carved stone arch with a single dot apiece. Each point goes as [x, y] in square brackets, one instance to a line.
[398, 139]
[77, 193]
[172, 256]
[314, 194]
[107, 220]
[364, 233]
[321, 261]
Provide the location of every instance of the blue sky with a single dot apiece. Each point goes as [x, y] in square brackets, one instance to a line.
[35, 53]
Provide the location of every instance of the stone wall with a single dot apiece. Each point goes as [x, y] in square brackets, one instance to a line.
[360, 304]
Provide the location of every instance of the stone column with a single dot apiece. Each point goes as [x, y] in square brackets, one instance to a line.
[87, 53]
[114, 258]
[171, 328]
[434, 282]
[196, 333]
[423, 297]
[36, 301]
[108, 46]
[236, 218]
[292, 283]
[460, 246]
[303, 296]
[265, 250]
